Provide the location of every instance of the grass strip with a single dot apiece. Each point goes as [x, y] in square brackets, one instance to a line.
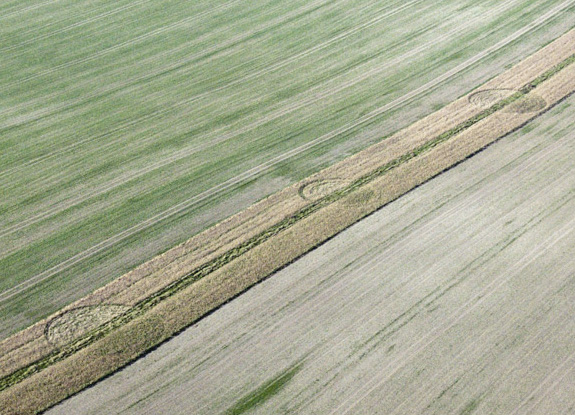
[143, 306]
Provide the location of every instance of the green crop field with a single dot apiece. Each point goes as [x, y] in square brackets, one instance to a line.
[455, 299]
[128, 126]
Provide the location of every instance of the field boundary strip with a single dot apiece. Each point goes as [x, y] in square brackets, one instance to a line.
[99, 248]
[170, 309]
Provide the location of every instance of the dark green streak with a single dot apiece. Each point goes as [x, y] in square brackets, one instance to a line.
[263, 393]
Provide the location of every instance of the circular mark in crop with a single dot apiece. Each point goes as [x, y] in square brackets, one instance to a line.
[489, 97]
[528, 103]
[136, 336]
[317, 189]
[79, 321]
[360, 197]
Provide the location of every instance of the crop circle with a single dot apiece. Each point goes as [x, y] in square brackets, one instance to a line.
[317, 189]
[79, 321]
[528, 103]
[360, 197]
[489, 97]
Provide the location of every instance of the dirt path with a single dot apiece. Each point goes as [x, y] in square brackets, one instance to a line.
[457, 297]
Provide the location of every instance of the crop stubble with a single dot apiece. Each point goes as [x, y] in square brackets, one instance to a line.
[186, 303]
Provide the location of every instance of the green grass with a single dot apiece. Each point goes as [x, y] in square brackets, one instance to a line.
[119, 88]
[263, 393]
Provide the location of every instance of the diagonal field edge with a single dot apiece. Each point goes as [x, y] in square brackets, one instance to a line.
[177, 209]
[199, 273]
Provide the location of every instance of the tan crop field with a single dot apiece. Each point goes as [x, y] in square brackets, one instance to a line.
[129, 154]
[455, 299]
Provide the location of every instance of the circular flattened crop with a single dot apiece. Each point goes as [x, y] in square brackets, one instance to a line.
[317, 189]
[528, 103]
[489, 97]
[138, 335]
[79, 321]
[360, 197]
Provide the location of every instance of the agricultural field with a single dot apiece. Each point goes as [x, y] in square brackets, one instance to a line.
[127, 127]
[457, 298]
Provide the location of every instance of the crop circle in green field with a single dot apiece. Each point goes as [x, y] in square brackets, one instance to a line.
[74, 323]
[316, 189]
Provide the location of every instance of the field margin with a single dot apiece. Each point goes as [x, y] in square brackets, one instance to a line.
[183, 302]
